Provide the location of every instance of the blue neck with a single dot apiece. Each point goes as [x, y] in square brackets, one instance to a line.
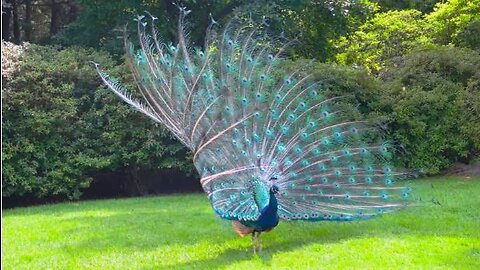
[272, 205]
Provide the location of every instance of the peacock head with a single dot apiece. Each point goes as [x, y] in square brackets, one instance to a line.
[273, 185]
[274, 189]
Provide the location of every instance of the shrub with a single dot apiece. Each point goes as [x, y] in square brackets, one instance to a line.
[10, 55]
[431, 98]
[469, 36]
[60, 125]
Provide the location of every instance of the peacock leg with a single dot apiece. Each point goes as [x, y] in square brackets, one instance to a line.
[259, 243]
[255, 241]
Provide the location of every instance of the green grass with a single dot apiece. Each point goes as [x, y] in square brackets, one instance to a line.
[181, 231]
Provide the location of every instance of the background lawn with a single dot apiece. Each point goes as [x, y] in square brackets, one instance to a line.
[181, 231]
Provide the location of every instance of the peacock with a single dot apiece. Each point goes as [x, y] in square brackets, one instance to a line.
[267, 141]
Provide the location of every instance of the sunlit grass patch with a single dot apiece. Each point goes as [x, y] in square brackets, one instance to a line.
[441, 231]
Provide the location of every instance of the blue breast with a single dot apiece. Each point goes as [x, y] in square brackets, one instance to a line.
[268, 218]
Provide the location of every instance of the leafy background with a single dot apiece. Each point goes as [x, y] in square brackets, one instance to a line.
[413, 65]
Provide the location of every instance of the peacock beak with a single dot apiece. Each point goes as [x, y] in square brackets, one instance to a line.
[274, 189]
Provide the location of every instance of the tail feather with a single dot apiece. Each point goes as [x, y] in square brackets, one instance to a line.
[252, 120]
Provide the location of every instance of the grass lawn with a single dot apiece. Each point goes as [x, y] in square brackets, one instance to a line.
[181, 231]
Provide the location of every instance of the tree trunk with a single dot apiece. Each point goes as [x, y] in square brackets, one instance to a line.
[6, 17]
[16, 24]
[54, 17]
[27, 26]
[73, 12]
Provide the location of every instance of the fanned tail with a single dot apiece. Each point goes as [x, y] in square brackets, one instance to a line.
[252, 123]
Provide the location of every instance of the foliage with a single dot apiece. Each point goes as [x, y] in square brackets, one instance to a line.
[35, 20]
[453, 20]
[103, 27]
[394, 33]
[343, 80]
[316, 25]
[60, 126]
[181, 232]
[469, 36]
[386, 35]
[10, 56]
[469, 105]
[421, 5]
[57, 127]
[430, 97]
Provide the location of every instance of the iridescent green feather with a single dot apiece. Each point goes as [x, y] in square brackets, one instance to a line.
[251, 123]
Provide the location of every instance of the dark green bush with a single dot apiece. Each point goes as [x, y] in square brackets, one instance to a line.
[469, 36]
[60, 125]
[431, 99]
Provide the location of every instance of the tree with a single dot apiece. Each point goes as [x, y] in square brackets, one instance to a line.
[15, 22]
[424, 6]
[315, 24]
[101, 26]
[35, 20]
[386, 35]
[450, 20]
[28, 25]
[6, 18]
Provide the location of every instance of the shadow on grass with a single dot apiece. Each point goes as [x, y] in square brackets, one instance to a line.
[235, 255]
[184, 223]
[186, 228]
[184, 231]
